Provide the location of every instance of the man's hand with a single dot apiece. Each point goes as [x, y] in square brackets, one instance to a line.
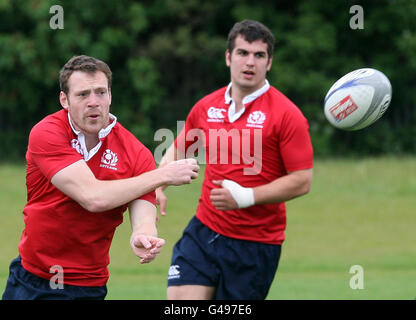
[231, 196]
[181, 171]
[161, 200]
[146, 247]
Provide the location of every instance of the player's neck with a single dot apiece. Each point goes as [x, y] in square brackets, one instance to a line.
[238, 95]
[91, 140]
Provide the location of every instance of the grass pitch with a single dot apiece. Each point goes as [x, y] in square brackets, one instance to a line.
[359, 212]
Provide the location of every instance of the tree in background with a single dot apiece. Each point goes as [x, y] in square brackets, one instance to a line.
[167, 54]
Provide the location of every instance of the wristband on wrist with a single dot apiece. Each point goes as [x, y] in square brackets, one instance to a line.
[243, 196]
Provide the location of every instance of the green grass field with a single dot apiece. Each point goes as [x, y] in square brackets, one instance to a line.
[359, 212]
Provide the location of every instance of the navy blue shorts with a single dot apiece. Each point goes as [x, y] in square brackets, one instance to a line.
[238, 269]
[23, 285]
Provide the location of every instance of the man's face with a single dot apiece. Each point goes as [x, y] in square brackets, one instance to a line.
[88, 101]
[248, 63]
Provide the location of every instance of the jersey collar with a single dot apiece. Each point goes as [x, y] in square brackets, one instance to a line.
[232, 115]
[101, 135]
[103, 132]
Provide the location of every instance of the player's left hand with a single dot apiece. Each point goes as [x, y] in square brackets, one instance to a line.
[221, 198]
[146, 247]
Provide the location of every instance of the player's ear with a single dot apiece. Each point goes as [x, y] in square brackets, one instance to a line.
[63, 99]
[269, 63]
[227, 58]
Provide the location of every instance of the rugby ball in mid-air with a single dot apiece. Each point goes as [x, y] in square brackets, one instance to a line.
[358, 99]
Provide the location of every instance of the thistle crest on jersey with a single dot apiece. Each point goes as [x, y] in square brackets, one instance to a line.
[109, 160]
[256, 119]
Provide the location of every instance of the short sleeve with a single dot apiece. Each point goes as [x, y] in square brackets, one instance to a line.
[295, 142]
[50, 148]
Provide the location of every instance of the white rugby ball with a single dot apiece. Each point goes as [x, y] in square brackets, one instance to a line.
[358, 99]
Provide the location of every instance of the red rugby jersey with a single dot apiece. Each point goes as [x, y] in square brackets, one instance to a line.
[58, 231]
[266, 141]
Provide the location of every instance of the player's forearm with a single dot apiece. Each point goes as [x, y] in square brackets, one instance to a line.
[111, 194]
[170, 155]
[107, 195]
[79, 183]
[143, 217]
[293, 185]
[173, 153]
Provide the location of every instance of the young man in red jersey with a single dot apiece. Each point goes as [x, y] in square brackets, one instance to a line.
[231, 248]
[84, 169]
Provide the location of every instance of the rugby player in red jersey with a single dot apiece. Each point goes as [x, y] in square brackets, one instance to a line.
[84, 169]
[258, 155]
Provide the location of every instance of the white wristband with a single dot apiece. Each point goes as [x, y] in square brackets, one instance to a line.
[243, 196]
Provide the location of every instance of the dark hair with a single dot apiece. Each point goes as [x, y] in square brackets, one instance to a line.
[251, 31]
[85, 64]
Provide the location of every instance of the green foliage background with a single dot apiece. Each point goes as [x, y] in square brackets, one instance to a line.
[167, 54]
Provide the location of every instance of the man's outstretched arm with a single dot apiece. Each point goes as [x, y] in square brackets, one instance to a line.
[79, 183]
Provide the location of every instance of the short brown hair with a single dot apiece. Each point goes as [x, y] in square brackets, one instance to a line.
[251, 31]
[85, 64]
